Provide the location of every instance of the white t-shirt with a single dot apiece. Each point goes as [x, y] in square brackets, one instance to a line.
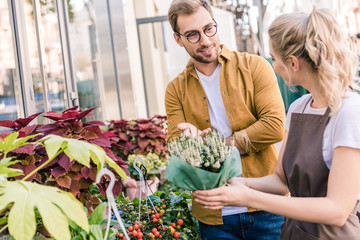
[218, 117]
[343, 128]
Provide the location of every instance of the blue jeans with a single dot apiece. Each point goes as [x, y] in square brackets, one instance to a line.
[258, 225]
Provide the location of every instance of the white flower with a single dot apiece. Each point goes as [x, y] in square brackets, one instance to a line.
[208, 152]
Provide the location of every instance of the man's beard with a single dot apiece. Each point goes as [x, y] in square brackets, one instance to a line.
[204, 59]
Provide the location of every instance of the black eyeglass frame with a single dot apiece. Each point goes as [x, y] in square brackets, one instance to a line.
[198, 33]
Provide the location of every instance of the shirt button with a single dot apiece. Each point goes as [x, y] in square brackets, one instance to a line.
[204, 97]
[207, 121]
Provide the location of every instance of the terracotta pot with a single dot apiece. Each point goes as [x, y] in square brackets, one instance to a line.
[134, 192]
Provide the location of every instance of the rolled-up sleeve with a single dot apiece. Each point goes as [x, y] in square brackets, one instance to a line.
[174, 111]
[269, 110]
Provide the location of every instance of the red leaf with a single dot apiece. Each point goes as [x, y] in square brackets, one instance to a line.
[85, 183]
[101, 190]
[64, 162]
[123, 136]
[26, 170]
[60, 132]
[93, 129]
[143, 143]
[71, 109]
[77, 177]
[26, 131]
[117, 188]
[86, 113]
[64, 181]
[76, 167]
[93, 172]
[90, 135]
[7, 123]
[67, 115]
[23, 122]
[102, 142]
[53, 116]
[143, 134]
[75, 185]
[110, 134]
[94, 123]
[85, 171]
[146, 126]
[27, 149]
[58, 172]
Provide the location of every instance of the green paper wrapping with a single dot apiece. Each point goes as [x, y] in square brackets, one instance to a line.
[192, 178]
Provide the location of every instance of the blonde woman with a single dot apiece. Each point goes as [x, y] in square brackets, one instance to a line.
[319, 162]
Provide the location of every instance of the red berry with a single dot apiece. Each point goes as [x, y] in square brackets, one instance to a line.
[150, 234]
[180, 222]
[176, 235]
[156, 234]
[140, 235]
[163, 206]
[157, 215]
[173, 225]
[131, 228]
[134, 233]
[154, 230]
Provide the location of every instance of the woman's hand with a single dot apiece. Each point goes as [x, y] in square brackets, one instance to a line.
[191, 130]
[233, 194]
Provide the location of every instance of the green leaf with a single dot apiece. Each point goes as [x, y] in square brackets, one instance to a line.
[96, 232]
[52, 145]
[11, 142]
[116, 167]
[9, 172]
[80, 151]
[55, 207]
[176, 198]
[98, 215]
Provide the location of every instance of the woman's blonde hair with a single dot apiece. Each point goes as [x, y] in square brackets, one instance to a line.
[318, 38]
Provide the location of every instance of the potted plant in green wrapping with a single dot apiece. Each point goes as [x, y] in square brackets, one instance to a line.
[23, 203]
[153, 165]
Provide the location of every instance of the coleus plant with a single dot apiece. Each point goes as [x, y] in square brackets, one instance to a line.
[140, 136]
[24, 200]
[61, 172]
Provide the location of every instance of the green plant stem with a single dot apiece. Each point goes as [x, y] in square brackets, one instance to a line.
[1, 230]
[41, 166]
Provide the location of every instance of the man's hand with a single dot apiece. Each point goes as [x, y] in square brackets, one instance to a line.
[191, 130]
[228, 143]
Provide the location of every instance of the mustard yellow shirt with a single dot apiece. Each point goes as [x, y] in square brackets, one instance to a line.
[253, 104]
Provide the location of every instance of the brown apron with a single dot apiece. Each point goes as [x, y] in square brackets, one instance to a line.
[307, 176]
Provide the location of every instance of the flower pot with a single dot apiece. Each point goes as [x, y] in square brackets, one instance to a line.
[134, 192]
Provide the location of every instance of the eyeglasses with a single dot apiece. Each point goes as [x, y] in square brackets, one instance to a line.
[194, 36]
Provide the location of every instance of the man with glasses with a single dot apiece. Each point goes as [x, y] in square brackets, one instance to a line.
[235, 93]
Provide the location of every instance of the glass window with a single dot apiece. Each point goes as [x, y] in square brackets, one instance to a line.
[10, 90]
[85, 56]
[53, 82]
